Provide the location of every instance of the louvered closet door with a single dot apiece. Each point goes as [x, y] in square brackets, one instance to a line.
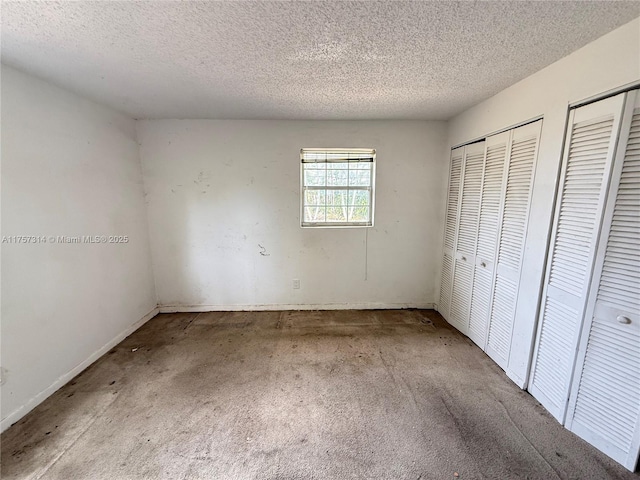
[490, 201]
[587, 162]
[513, 226]
[464, 258]
[604, 407]
[450, 231]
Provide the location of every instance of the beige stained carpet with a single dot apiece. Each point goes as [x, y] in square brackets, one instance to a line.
[296, 395]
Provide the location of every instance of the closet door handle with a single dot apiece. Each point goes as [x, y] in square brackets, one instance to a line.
[624, 320]
[482, 264]
[464, 259]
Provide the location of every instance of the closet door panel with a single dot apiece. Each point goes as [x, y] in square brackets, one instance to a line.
[473, 166]
[460, 297]
[513, 225]
[446, 284]
[450, 231]
[489, 216]
[505, 291]
[453, 200]
[587, 163]
[481, 293]
[495, 166]
[604, 406]
[470, 201]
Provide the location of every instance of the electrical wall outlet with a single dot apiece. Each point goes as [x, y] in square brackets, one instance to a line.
[296, 283]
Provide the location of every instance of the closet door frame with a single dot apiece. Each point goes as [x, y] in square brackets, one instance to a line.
[582, 340]
[560, 413]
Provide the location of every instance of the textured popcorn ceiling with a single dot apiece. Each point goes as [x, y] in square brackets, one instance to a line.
[297, 60]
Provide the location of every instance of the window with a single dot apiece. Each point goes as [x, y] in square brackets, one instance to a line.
[337, 187]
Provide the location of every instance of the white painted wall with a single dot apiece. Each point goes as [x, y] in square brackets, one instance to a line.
[218, 191]
[605, 64]
[69, 167]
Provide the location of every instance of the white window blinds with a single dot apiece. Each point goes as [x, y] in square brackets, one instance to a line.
[337, 187]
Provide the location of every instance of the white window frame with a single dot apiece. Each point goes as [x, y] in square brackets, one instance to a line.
[358, 152]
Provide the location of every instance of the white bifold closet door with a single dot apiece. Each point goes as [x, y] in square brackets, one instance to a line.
[513, 221]
[488, 202]
[450, 231]
[604, 406]
[591, 298]
[489, 216]
[588, 157]
[465, 245]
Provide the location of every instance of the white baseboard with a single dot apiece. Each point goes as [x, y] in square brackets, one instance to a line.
[279, 306]
[21, 411]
